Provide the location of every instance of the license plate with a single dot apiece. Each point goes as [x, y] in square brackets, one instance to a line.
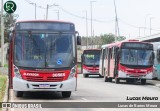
[44, 86]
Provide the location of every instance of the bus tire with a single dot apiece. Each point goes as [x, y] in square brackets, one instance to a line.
[100, 76]
[106, 79]
[85, 75]
[130, 80]
[117, 80]
[109, 79]
[66, 94]
[18, 93]
[143, 81]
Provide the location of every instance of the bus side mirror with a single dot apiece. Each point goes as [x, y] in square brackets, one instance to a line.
[82, 58]
[78, 40]
[153, 55]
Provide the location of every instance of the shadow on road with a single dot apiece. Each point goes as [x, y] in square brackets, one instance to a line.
[44, 95]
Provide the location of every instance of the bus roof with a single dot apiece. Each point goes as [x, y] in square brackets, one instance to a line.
[44, 21]
[119, 43]
[156, 45]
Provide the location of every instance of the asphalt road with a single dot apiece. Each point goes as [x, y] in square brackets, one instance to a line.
[94, 89]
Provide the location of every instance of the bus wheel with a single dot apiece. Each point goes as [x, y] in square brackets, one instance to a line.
[18, 93]
[117, 80]
[101, 76]
[110, 79]
[143, 81]
[106, 79]
[85, 75]
[66, 94]
[130, 80]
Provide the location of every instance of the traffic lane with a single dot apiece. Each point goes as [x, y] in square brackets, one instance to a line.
[94, 88]
[109, 91]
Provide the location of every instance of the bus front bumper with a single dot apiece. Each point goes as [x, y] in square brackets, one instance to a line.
[23, 85]
[124, 75]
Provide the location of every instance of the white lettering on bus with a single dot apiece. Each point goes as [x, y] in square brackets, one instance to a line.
[58, 74]
[30, 74]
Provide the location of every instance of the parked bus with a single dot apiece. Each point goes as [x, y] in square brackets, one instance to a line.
[90, 62]
[156, 72]
[128, 60]
[43, 57]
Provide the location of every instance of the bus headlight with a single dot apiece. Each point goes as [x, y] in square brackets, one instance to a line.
[72, 73]
[17, 73]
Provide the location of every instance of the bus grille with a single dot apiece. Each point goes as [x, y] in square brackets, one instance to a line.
[44, 79]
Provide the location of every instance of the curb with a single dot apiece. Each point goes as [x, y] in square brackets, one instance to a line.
[158, 85]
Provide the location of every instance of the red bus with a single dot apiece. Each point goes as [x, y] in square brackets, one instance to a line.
[90, 62]
[43, 57]
[127, 60]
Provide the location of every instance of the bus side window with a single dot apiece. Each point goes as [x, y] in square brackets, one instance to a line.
[106, 53]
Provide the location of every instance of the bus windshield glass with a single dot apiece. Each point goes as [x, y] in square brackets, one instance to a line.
[136, 57]
[44, 50]
[92, 58]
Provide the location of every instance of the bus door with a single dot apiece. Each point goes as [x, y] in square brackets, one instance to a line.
[101, 65]
[117, 53]
[109, 61]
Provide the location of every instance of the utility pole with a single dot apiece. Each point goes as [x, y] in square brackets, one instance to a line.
[116, 23]
[91, 22]
[2, 36]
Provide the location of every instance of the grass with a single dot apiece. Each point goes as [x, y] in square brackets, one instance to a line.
[5, 65]
[79, 65]
[3, 79]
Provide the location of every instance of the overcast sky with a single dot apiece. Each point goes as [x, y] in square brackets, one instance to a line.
[133, 15]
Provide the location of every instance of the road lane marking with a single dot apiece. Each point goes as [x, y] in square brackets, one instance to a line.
[84, 99]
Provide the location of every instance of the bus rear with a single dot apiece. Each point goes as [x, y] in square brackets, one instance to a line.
[42, 57]
[90, 62]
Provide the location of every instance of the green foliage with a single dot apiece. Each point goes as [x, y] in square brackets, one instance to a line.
[9, 22]
[2, 86]
[102, 39]
[110, 38]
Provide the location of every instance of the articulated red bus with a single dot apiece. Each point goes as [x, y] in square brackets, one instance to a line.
[90, 62]
[43, 57]
[129, 60]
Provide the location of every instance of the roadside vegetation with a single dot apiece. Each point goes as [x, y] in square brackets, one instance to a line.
[3, 80]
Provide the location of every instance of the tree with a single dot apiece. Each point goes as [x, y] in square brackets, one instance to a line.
[110, 38]
[9, 21]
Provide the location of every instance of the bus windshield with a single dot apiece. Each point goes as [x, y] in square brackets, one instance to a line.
[44, 50]
[136, 57]
[91, 58]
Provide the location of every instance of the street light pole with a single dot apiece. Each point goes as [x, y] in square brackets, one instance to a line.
[47, 9]
[151, 24]
[145, 23]
[91, 22]
[35, 11]
[57, 11]
[86, 29]
[2, 36]
[47, 12]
